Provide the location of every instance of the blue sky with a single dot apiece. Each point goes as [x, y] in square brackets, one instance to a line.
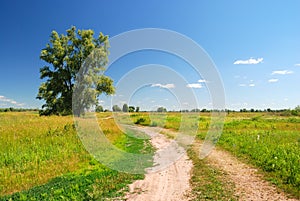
[255, 46]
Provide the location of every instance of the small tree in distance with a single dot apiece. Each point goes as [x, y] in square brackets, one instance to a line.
[125, 108]
[137, 109]
[116, 108]
[161, 109]
[131, 108]
[99, 108]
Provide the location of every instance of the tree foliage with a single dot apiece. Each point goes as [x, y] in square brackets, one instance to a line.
[65, 55]
[125, 108]
[99, 108]
[131, 108]
[116, 108]
[137, 109]
[161, 109]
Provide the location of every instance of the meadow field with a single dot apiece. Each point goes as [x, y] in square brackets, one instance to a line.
[42, 158]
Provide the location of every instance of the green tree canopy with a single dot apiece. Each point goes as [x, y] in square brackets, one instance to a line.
[99, 108]
[131, 108]
[65, 55]
[137, 109]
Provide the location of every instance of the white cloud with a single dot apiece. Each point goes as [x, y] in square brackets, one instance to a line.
[166, 86]
[202, 81]
[297, 64]
[11, 101]
[249, 85]
[282, 72]
[196, 85]
[249, 61]
[273, 80]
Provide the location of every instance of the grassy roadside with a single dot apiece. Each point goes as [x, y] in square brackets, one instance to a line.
[57, 167]
[270, 143]
[207, 182]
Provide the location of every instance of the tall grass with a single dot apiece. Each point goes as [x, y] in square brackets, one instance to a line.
[273, 144]
[43, 158]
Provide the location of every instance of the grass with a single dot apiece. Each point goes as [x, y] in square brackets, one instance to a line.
[43, 158]
[270, 143]
[207, 182]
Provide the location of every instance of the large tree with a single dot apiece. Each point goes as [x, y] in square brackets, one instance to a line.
[71, 58]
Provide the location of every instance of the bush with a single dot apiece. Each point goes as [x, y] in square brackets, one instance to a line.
[140, 120]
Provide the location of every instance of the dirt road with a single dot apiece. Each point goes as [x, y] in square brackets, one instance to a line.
[170, 181]
[249, 185]
[167, 180]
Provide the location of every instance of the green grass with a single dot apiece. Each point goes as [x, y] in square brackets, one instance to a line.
[95, 183]
[207, 182]
[273, 145]
[43, 159]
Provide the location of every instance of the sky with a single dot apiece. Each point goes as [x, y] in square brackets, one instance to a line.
[254, 46]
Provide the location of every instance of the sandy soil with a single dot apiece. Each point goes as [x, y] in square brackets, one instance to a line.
[249, 185]
[169, 178]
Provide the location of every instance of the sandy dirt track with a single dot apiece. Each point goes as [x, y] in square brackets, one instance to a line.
[249, 185]
[168, 180]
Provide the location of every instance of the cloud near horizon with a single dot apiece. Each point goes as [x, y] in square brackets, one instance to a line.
[202, 81]
[249, 85]
[11, 101]
[249, 61]
[282, 72]
[273, 80]
[195, 85]
[165, 86]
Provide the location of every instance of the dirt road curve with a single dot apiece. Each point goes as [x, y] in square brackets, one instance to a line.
[248, 184]
[171, 182]
[167, 180]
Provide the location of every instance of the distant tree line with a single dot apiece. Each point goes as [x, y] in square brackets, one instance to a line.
[282, 112]
[11, 109]
[116, 108]
[126, 108]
